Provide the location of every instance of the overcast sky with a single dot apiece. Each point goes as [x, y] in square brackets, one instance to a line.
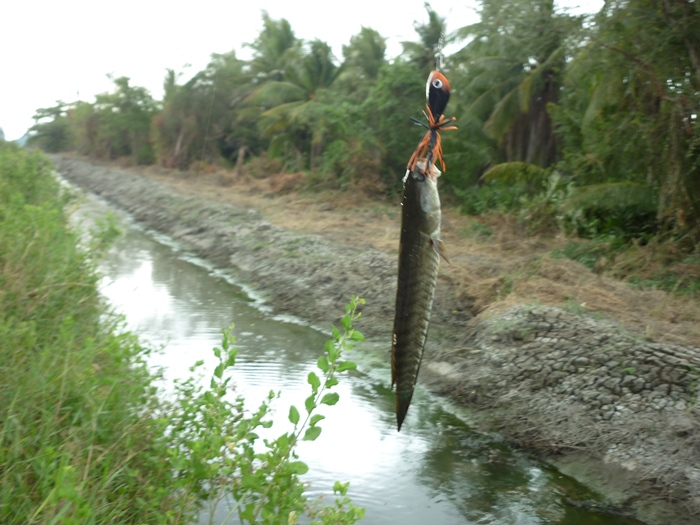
[64, 49]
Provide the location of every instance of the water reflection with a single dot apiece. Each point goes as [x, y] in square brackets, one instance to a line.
[436, 471]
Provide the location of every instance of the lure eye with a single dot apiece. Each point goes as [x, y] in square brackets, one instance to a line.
[437, 83]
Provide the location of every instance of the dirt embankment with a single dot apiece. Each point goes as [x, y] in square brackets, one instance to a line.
[599, 377]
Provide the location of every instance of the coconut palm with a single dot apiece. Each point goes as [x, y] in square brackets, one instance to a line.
[514, 68]
[294, 109]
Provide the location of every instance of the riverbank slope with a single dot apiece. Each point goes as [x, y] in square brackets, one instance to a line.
[600, 377]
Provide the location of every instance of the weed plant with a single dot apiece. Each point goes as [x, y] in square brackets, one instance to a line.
[84, 437]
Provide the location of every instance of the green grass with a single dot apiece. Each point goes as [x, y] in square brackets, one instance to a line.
[78, 443]
[586, 252]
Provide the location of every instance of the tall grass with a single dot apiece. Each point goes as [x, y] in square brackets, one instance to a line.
[78, 443]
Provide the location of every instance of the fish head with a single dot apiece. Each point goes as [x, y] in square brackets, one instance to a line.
[432, 174]
[437, 93]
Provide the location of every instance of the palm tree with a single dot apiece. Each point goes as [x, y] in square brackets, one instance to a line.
[293, 108]
[273, 48]
[431, 34]
[514, 67]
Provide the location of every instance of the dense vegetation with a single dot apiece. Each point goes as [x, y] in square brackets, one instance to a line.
[588, 124]
[84, 439]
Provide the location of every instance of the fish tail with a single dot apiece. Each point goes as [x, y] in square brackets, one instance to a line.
[403, 401]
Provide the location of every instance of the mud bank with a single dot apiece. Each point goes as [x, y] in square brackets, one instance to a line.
[602, 404]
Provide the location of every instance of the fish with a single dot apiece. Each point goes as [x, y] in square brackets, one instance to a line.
[420, 249]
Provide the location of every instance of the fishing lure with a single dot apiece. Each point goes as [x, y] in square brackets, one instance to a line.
[437, 93]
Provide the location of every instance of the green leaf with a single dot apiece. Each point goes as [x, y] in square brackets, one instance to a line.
[346, 365]
[323, 364]
[315, 419]
[298, 467]
[219, 370]
[340, 489]
[312, 433]
[333, 353]
[346, 322]
[314, 381]
[330, 399]
[293, 415]
[357, 336]
[332, 381]
[310, 404]
[329, 346]
[249, 481]
[335, 333]
[283, 442]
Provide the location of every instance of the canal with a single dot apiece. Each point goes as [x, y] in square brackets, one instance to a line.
[438, 470]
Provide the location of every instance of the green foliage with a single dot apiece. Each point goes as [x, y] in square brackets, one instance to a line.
[590, 252]
[215, 440]
[200, 118]
[78, 443]
[498, 196]
[52, 135]
[605, 99]
[363, 58]
[514, 173]
[421, 54]
[623, 209]
[124, 122]
[630, 109]
[398, 95]
[84, 437]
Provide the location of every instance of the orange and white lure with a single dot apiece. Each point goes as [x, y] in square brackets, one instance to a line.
[437, 93]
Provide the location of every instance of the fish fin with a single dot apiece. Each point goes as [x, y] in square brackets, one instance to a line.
[440, 248]
[393, 359]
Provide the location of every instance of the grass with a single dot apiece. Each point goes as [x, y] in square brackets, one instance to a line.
[78, 443]
[657, 265]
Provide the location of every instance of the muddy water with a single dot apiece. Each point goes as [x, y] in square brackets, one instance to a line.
[437, 471]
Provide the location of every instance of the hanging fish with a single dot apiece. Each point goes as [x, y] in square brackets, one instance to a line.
[420, 249]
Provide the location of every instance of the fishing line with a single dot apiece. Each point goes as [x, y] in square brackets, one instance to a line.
[439, 56]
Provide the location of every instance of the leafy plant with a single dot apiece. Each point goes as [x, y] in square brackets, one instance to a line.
[217, 446]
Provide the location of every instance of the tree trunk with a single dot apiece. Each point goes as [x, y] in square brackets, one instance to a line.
[239, 161]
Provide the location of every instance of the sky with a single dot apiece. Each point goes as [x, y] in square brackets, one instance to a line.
[65, 49]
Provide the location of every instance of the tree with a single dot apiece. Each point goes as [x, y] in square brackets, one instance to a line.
[273, 49]
[118, 124]
[199, 118]
[293, 115]
[53, 134]
[398, 95]
[363, 57]
[632, 104]
[422, 53]
[515, 62]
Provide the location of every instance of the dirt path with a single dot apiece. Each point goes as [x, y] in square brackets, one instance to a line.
[599, 377]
